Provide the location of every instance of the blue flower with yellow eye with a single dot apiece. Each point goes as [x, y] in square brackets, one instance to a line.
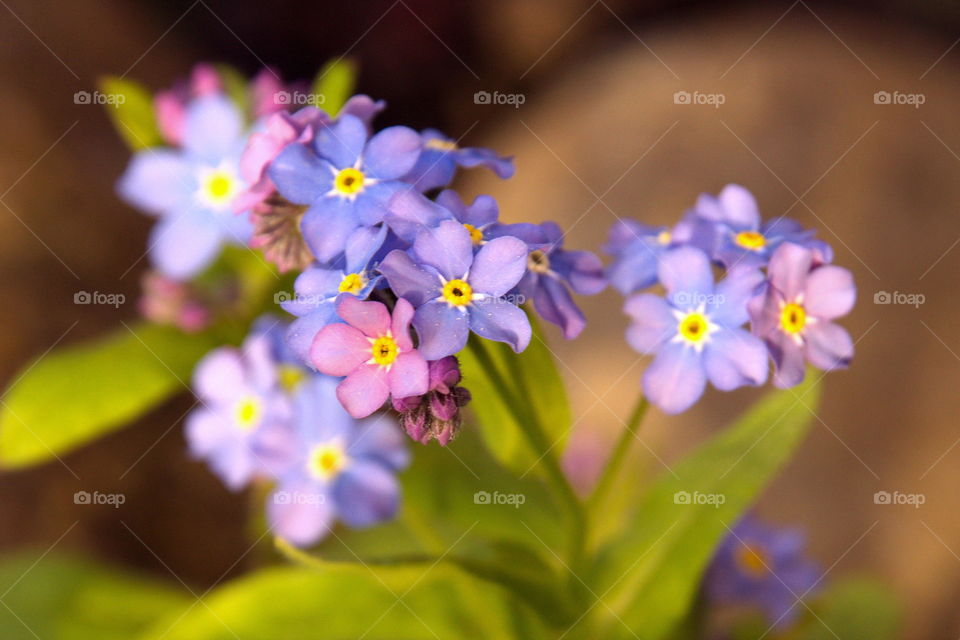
[191, 189]
[344, 178]
[316, 289]
[441, 156]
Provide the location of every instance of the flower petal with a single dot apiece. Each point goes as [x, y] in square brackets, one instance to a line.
[729, 304]
[408, 279]
[553, 302]
[182, 244]
[734, 358]
[342, 142]
[443, 329]
[788, 269]
[446, 247]
[339, 349]
[220, 376]
[391, 153]
[409, 375]
[300, 175]
[327, 226]
[301, 512]
[400, 324]
[380, 438]
[676, 379]
[157, 181]
[497, 319]
[686, 275]
[828, 346]
[739, 207]
[830, 292]
[408, 211]
[212, 127]
[653, 322]
[364, 391]
[498, 266]
[366, 493]
[372, 318]
[303, 331]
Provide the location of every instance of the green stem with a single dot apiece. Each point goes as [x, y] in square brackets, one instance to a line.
[619, 454]
[301, 557]
[541, 445]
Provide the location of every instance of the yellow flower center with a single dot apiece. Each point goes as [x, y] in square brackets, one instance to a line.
[349, 181]
[441, 145]
[457, 292]
[247, 413]
[538, 261]
[693, 327]
[476, 236]
[793, 318]
[664, 237]
[218, 187]
[384, 350]
[352, 283]
[752, 240]
[752, 560]
[291, 376]
[326, 460]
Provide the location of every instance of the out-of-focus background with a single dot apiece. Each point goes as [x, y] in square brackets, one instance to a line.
[613, 109]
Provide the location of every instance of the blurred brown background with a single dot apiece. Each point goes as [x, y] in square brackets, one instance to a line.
[599, 136]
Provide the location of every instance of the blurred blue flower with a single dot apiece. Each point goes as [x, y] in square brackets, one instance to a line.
[345, 179]
[343, 469]
[441, 156]
[696, 331]
[191, 189]
[764, 568]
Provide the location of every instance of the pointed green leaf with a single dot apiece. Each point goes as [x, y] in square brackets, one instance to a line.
[133, 115]
[73, 395]
[334, 84]
[653, 572]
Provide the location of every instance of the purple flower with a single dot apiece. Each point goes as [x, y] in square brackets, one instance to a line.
[636, 249]
[740, 238]
[441, 156]
[764, 568]
[242, 428]
[317, 289]
[550, 270]
[344, 178]
[695, 331]
[191, 190]
[410, 211]
[374, 351]
[455, 292]
[343, 469]
[436, 414]
[793, 315]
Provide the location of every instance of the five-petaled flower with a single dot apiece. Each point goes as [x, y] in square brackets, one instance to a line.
[344, 178]
[374, 351]
[793, 315]
[455, 292]
[695, 331]
[441, 156]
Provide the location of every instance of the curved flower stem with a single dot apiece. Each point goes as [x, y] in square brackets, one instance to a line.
[619, 454]
[541, 446]
[301, 557]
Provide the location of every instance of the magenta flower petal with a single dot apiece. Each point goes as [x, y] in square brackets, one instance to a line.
[409, 375]
[372, 318]
[830, 293]
[828, 346]
[400, 326]
[789, 358]
[789, 266]
[338, 349]
[364, 390]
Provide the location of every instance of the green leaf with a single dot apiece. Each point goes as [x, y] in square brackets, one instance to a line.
[334, 84]
[133, 117]
[534, 373]
[71, 396]
[236, 87]
[653, 571]
[68, 599]
[855, 609]
[339, 603]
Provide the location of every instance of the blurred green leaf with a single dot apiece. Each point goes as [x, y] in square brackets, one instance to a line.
[654, 570]
[340, 603]
[134, 119]
[334, 84]
[53, 597]
[535, 376]
[855, 609]
[236, 87]
[73, 395]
